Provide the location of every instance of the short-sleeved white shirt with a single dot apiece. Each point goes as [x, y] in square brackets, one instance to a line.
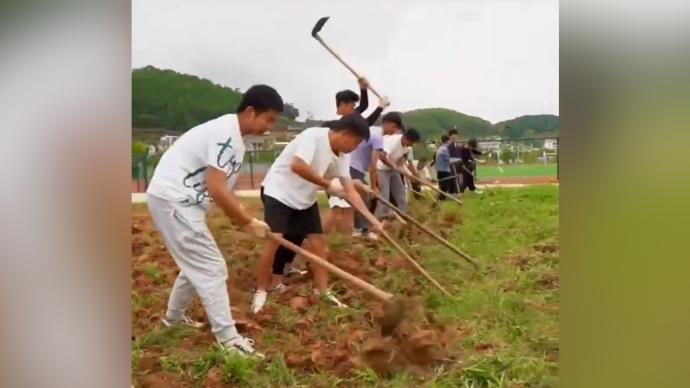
[394, 149]
[180, 176]
[314, 148]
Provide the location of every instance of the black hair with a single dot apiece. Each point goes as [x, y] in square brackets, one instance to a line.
[345, 96]
[444, 138]
[412, 135]
[262, 98]
[452, 132]
[353, 123]
[472, 143]
[393, 117]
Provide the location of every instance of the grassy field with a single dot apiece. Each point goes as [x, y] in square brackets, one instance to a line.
[501, 329]
[517, 170]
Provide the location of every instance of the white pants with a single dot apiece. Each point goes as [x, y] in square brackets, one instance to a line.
[202, 268]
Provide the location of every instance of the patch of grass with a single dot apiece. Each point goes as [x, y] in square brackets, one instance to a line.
[134, 358]
[146, 301]
[236, 368]
[203, 365]
[367, 377]
[279, 374]
[154, 274]
[172, 364]
[163, 337]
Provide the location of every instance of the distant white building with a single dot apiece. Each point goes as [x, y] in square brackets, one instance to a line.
[489, 145]
[551, 144]
[165, 142]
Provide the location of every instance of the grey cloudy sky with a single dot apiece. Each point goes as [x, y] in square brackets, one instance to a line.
[496, 59]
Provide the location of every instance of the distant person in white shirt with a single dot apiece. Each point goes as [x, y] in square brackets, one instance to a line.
[289, 195]
[202, 164]
[394, 157]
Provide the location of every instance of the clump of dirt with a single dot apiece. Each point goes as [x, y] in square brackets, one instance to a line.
[162, 380]
[546, 248]
[417, 345]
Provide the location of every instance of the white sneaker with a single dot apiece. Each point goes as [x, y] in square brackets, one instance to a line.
[258, 301]
[372, 236]
[186, 321]
[279, 288]
[241, 345]
[357, 233]
[478, 191]
[331, 298]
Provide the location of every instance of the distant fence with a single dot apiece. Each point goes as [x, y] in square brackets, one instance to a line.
[506, 161]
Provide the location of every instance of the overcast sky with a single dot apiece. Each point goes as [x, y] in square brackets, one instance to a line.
[496, 59]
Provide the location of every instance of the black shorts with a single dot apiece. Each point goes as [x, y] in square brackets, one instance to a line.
[286, 220]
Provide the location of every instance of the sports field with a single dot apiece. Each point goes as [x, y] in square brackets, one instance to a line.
[517, 170]
[499, 329]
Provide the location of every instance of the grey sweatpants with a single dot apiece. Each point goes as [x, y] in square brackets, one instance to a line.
[202, 268]
[390, 184]
[361, 223]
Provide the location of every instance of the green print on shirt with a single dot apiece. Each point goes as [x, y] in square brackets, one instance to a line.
[226, 161]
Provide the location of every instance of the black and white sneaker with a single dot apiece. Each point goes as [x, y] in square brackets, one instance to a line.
[241, 345]
[279, 288]
[291, 271]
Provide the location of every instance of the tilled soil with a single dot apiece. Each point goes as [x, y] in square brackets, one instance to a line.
[309, 334]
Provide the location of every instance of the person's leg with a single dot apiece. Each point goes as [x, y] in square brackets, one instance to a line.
[317, 245]
[398, 192]
[360, 223]
[455, 183]
[330, 219]
[277, 216]
[285, 256]
[180, 299]
[346, 220]
[191, 245]
[442, 183]
[381, 211]
[469, 178]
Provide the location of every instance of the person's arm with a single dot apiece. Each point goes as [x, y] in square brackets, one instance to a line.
[371, 119]
[383, 157]
[222, 195]
[373, 176]
[363, 95]
[304, 171]
[383, 103]
[445, 156]
[353, 197]
[410, 166]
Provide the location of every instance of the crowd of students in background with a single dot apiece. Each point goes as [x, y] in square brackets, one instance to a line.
[456, 165]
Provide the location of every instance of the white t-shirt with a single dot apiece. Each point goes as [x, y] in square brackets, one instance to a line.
[180, 176]
[392, 146]
[314, 148]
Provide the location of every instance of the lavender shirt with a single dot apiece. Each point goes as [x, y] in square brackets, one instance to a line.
[360, 158]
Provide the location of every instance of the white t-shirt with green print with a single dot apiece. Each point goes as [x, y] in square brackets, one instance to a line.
[180, 176]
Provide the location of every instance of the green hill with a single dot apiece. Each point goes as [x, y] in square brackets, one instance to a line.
[168, 99]
[529, 127]
[165, 101]
[433, 122]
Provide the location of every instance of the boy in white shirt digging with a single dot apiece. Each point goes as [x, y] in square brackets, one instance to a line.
[202, 163]
[396, 148]
[289, 195]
